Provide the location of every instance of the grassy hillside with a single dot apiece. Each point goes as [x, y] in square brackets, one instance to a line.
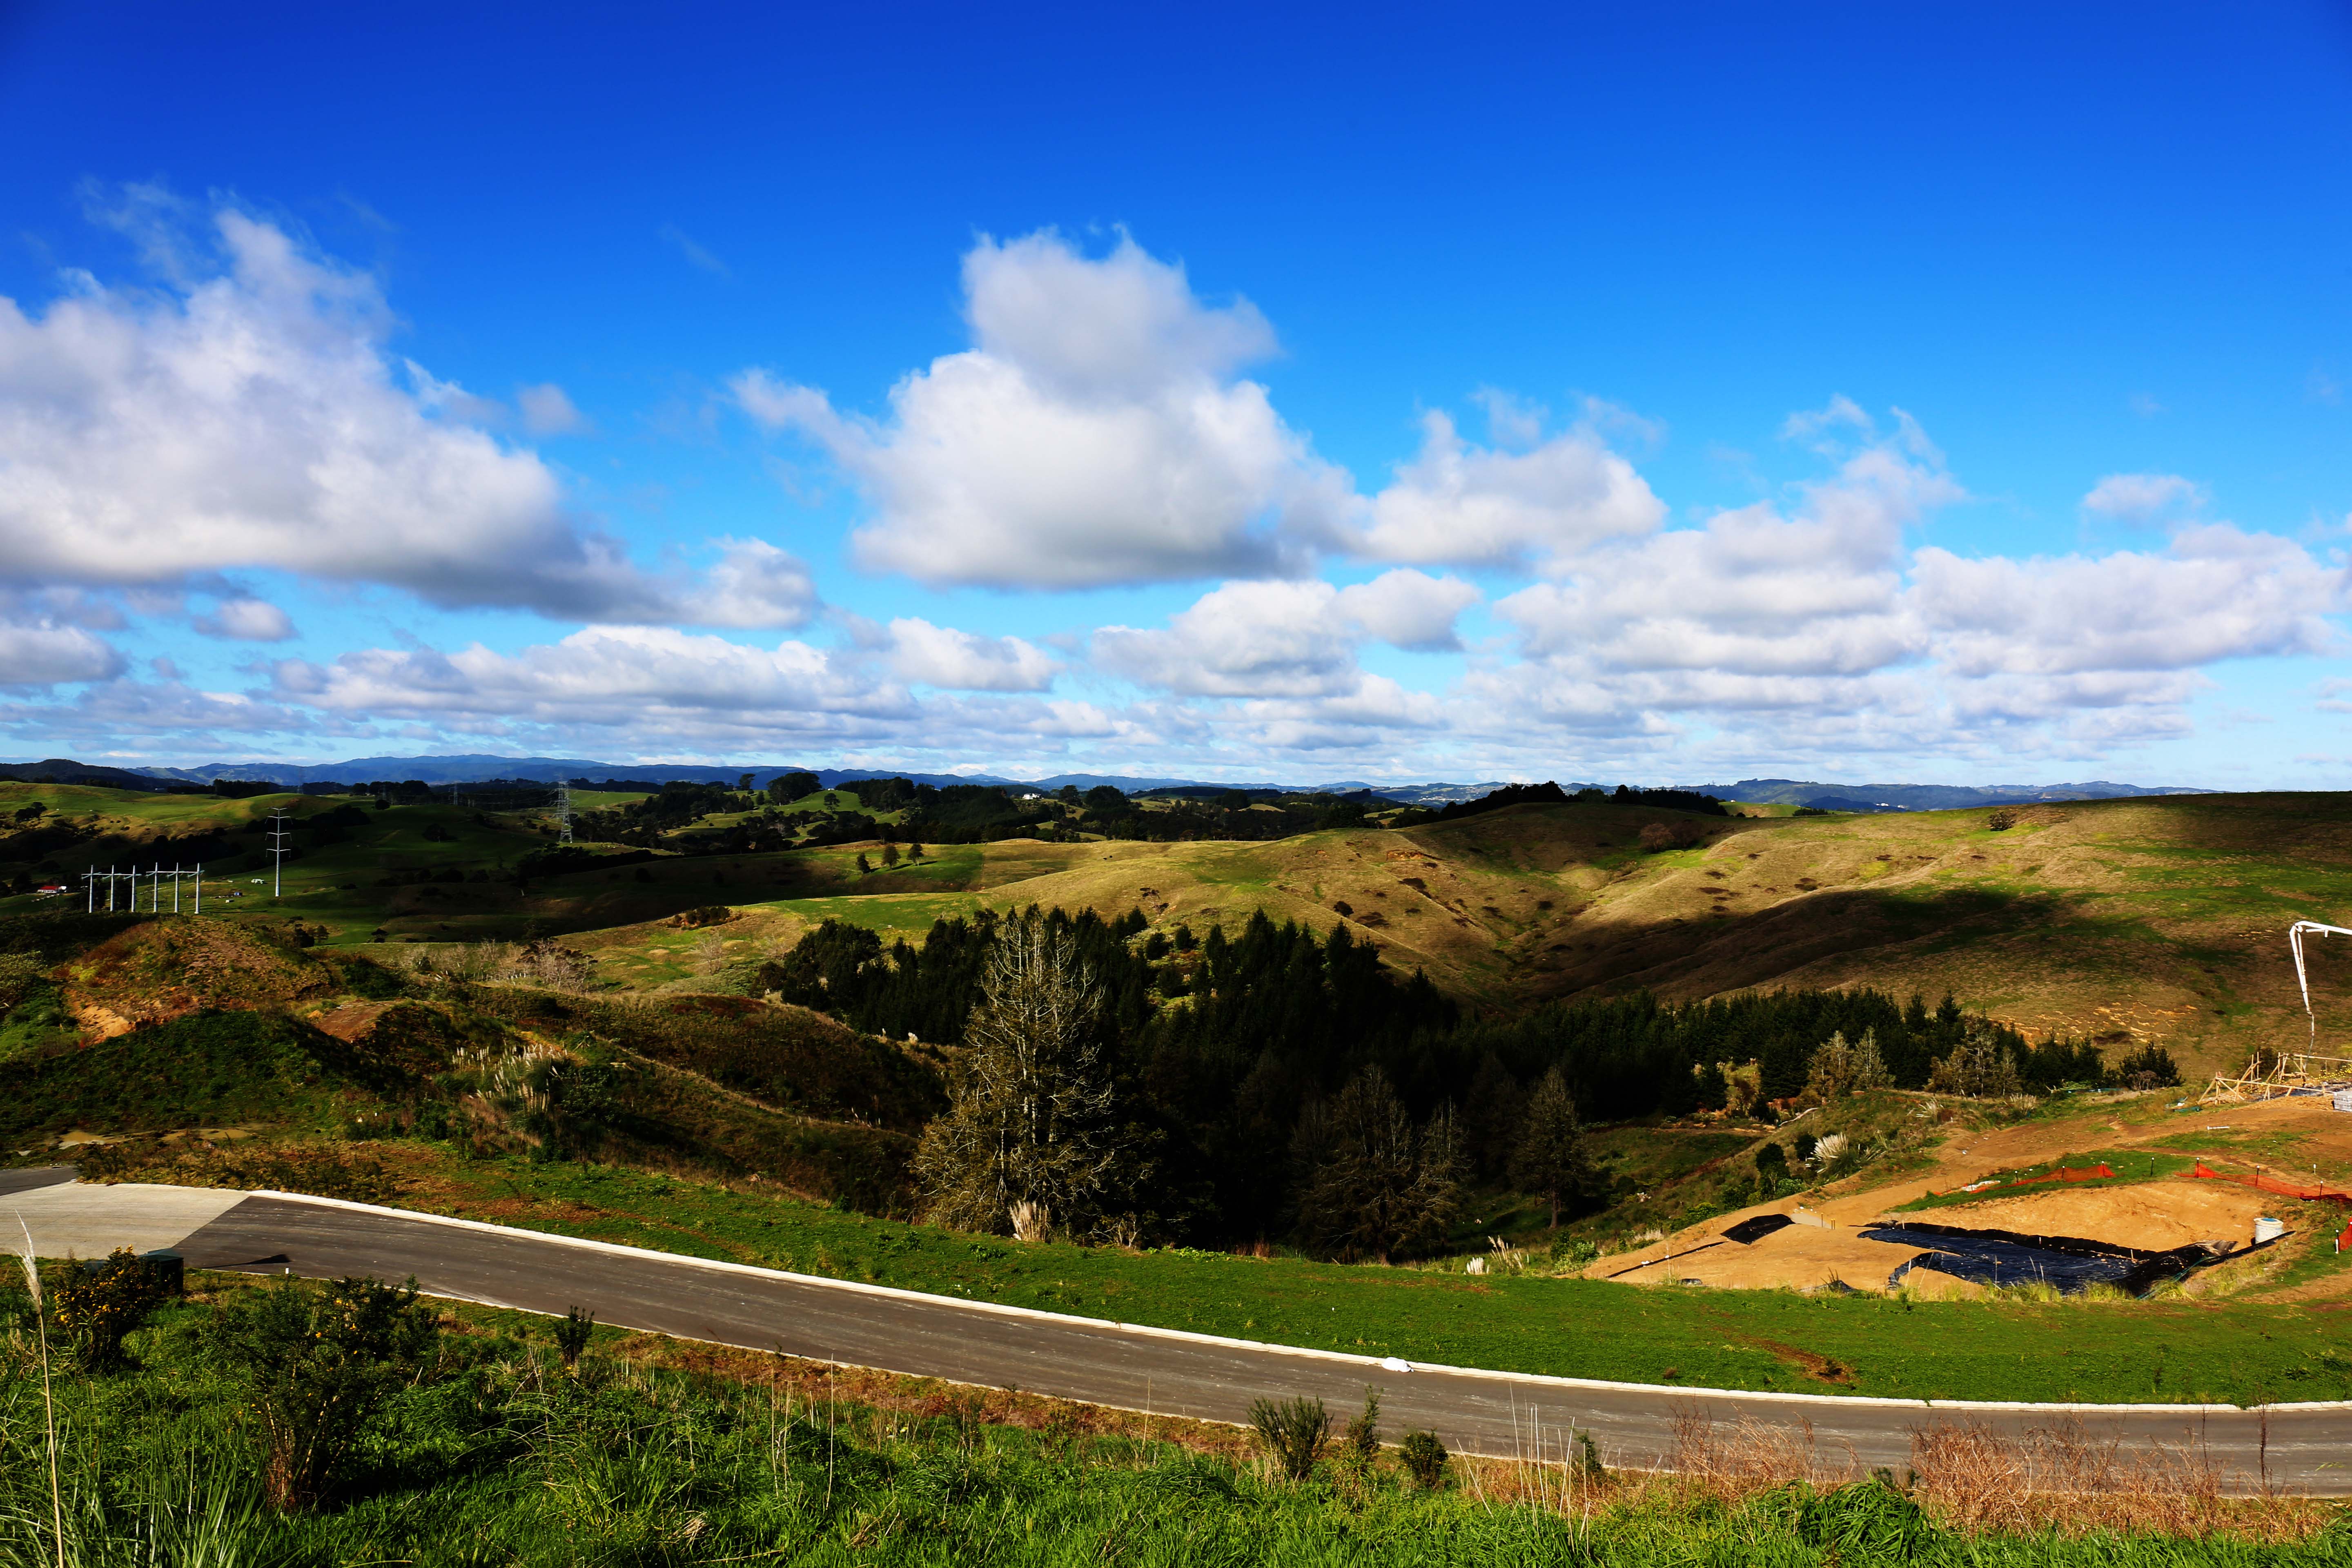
[2119, 920]
[2129, 920]
[2158, 918]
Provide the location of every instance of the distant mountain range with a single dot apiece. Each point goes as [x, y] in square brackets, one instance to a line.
[476, 767]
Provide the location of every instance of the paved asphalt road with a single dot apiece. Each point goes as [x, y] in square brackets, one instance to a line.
[2304, 1449]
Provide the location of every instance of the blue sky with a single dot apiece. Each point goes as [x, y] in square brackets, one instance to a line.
[1591, 393]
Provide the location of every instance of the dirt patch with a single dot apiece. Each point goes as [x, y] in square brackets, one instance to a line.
[2154, 1216]
[1799, 1257]
[1820, 1368]
[351, 1023]
[100, 1022]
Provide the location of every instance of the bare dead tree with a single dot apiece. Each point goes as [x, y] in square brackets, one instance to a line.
[1031, 1144]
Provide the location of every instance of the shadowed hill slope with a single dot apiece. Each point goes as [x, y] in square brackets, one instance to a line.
[2121, 920]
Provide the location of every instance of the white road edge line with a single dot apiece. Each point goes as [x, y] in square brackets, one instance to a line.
[1187, 1336]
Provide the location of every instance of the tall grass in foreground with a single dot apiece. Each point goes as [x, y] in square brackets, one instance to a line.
[494, 1454]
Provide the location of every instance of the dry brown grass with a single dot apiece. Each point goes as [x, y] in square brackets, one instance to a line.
[1750, 1456]
[1977, 1480]
[2062, 1478]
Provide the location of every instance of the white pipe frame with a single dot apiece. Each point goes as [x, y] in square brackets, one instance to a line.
[2294, 935]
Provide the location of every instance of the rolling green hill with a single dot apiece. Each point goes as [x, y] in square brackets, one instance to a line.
[2137, 920]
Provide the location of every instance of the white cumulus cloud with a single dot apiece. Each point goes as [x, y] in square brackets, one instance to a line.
[247, 415]
[38, 650]
[927, 654]
[1288, 639]
[2142, 498]
[246, 619]
[1095, 434]
[1459, 504]
[597, 676]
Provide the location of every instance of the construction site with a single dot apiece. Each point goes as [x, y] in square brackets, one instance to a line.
[2243, 1189]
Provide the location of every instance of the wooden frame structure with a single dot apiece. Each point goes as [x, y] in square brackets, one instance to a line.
[2283, 1074]
[2301, 1071]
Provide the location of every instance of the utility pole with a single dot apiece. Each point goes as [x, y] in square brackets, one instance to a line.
[563, 811]
[93, 876]
[177, 874]
[278, 837]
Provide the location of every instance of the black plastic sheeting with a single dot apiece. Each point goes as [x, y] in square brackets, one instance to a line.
[2006, 1257]
[1749, 1232]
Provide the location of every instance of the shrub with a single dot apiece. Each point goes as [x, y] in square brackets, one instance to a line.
[571, 1336]
[20, 972]
[1424, 1459]
[319, 1366]
[1292, 1431]
[2001, 821]
[99, 1303]
[1361, 1441]
[2151, 1068]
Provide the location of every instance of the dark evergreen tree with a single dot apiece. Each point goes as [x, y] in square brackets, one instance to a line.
[1490, 1117]
[1369, 1183]
[1550, 1160]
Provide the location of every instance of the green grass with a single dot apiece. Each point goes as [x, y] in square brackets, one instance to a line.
[2108, 1351]
[491, 1455]
[2131, 1166]
[208, 1068]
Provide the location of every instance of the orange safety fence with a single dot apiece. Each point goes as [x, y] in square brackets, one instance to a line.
[2270, 1185]
[2066, 1173]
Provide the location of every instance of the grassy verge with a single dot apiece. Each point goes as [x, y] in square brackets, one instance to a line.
[2150, 1351]
[491, 1454]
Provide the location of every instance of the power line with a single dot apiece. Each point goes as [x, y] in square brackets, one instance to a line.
[154, 875]
[155, 888]
[563, 811]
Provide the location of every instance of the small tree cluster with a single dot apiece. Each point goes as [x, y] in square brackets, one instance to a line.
[2150, 1067]
[1658, 836]
[1839, 1069]
[1979, 1067]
